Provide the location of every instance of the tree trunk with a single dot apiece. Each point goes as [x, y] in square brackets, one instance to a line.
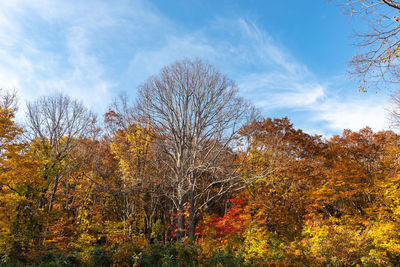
[192, 216]
[180, 231]
[148, 228]
[53, 194]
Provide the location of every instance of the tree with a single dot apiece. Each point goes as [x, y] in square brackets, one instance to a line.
[57, 122]
[294, 160]
[352, 213]
[377, 60]
[196, 113]
[20, 184]
[8, 129]
[131, 146]
[55, 126]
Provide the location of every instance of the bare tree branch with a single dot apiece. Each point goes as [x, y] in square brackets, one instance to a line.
[196, 114]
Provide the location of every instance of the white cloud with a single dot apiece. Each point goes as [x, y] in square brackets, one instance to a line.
[47, 47]
[354, 113]
[147, 62]
[289, 85]
[50, 46]
[267, 51]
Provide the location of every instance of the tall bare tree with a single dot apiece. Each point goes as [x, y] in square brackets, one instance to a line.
[196, 113]
[57, 122]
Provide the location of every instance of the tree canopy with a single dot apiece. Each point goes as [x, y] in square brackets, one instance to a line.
[188, 175]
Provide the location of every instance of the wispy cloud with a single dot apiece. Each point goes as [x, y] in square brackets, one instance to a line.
[286, 84]
[147, 62]
[95, 49]
[48, 47]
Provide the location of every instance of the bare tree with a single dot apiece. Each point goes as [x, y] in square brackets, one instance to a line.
[377, 59]
[9, 130]
[394, 110]
[8, 100]
[57, 122]
[196, 113]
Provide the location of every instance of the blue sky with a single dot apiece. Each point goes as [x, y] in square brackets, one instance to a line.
[288, 57]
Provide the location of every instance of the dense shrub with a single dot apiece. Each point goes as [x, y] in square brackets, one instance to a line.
[225, 259]
[125, 254]
[174, 254]
[100, 257]
[59, 259]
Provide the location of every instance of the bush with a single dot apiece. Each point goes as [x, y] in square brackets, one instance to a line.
[225, 259]
[170, 255]
[100, 257]
[126, 254]
[54, 258]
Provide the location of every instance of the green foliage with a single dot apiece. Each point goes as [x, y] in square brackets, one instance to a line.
[174, 254]
[58, 259]
[125, 254]
[99, 257]
[157, 230]
[43, 259]
[225, 259]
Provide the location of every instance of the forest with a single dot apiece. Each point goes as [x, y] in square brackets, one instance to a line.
[189, 173]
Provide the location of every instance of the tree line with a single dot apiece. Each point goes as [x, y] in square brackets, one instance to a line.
[191, 174]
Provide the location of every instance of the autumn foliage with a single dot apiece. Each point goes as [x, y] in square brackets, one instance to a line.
[101, 198]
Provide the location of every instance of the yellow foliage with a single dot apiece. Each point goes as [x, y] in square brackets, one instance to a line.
[260, 247]
[333, 243]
